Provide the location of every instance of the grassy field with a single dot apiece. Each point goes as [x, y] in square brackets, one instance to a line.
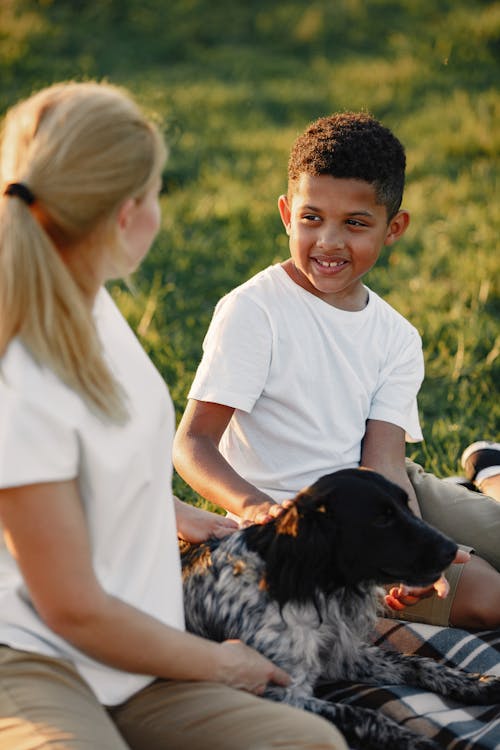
[234, 82]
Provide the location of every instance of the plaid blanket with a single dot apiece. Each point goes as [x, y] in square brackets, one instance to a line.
[450, 724]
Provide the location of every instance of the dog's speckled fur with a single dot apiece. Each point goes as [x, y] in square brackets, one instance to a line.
[303, 590]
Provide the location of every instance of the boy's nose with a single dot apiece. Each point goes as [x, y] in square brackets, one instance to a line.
[331, 239]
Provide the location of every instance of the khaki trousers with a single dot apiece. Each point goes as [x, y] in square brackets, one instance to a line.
[470, 518]
[45, 704]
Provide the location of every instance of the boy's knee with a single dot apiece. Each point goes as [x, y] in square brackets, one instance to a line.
[477, 599]
[483, 614]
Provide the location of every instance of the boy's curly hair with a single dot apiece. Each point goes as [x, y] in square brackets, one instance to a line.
[352, 145]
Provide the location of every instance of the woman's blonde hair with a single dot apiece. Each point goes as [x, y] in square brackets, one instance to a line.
[79, 150]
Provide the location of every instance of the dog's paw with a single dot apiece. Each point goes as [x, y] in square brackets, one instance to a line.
[404, 739]
[422, 743]
[367, 729]
[489, 689]
[482, 690]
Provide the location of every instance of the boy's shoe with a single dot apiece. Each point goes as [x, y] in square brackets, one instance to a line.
[462, 481]
[481, 460]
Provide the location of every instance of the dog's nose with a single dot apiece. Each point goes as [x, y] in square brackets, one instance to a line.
[443, 549]
[451, 550]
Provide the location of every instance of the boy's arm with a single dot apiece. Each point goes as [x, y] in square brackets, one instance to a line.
[384, 451]
[199, 462]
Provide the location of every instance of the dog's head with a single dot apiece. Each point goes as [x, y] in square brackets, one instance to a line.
[349, 527]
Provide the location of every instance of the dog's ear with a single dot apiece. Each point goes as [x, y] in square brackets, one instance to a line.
[300, 553]
[288, 522]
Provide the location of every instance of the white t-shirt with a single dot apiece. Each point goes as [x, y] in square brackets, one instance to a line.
[304, 377]
[48, 434]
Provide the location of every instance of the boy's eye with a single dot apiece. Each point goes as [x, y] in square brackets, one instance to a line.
[311, 217]
[355, 223]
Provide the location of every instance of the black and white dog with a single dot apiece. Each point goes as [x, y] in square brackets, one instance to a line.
[303, 590]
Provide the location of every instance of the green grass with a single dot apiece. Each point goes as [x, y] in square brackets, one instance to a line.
[234, 83]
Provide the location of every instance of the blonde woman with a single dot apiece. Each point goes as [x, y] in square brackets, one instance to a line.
[94, 652]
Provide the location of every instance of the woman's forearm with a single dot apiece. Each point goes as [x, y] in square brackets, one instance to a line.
[125, 638]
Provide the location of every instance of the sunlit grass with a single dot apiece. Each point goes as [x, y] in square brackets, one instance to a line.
[233, 84]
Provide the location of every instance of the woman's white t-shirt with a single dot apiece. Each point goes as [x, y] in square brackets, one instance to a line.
[48, 434]
[304, 377]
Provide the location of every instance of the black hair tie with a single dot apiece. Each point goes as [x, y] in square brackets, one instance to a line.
[20, 190]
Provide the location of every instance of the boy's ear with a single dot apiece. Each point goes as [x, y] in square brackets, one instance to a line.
[397, 227]
[285, 212]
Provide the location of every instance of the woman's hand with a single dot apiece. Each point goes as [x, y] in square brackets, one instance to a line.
[244, 668]
[196, 525]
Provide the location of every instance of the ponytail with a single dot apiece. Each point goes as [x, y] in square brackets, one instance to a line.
[41, 303]
[70, 156]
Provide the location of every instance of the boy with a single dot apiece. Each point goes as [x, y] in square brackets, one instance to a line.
[306, 370]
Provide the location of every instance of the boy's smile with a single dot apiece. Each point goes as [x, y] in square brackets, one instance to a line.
[337, 230]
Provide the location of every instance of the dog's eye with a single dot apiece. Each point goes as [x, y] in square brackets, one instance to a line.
[385, 518]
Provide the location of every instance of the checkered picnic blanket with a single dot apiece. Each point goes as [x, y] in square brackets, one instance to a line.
[452, 726]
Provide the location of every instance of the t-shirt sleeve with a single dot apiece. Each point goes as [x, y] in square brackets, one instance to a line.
[395, 399]
[236, 355]
[35, 444]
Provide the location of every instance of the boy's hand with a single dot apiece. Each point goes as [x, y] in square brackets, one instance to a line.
[400, 597]
[264, 516]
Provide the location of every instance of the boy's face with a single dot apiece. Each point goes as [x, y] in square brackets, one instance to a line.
[337, 230]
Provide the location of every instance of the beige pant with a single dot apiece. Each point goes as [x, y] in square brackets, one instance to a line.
[470, 518]
[45, 704]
